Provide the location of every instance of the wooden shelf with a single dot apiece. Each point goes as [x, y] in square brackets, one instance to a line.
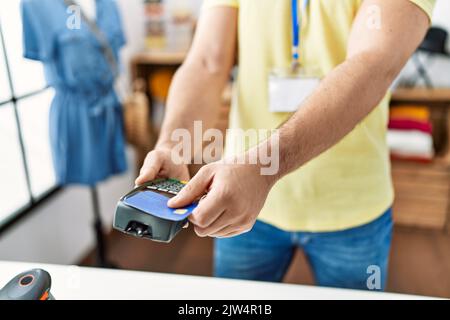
[423, 95]
[159, 57]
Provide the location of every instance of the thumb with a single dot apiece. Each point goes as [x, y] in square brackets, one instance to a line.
[193, 190]
[149, 170]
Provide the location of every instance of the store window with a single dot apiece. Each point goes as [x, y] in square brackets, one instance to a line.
[26, 171]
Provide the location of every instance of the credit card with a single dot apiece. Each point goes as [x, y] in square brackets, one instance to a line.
[156, 204]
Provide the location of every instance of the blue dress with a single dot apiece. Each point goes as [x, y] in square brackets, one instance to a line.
[86, 120]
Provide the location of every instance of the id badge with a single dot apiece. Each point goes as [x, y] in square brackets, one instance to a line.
[288, 89]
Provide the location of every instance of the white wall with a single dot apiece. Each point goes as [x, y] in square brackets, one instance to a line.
[134, 28]
[60, 231]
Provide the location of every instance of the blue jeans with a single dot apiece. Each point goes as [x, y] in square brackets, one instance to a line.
[342, 259]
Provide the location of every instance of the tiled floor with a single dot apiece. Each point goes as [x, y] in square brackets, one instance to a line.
[419, 264]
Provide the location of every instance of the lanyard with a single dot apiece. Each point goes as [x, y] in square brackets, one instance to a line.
[296, 29]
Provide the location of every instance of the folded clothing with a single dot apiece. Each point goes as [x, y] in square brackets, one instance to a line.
[410, 133]
[411, 144]
[411, 112]
[407, 124]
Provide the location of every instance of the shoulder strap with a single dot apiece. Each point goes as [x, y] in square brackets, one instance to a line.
[100, 36]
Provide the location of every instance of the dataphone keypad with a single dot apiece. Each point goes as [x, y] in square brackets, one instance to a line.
[171, 186]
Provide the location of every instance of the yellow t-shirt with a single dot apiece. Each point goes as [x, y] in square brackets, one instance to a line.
[348, 185]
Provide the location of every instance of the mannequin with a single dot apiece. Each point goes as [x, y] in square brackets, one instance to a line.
[89, 8]
[86, 128]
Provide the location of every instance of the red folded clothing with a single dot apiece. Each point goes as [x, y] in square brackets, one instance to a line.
[406, 124]
[411, 158]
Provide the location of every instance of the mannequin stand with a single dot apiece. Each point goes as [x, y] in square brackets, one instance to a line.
[101, 253]
[422, 71]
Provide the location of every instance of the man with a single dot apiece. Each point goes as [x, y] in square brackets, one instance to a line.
[332, 193]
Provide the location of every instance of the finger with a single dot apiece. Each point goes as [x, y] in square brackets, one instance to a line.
[150, 169]
[229, 232]
[193, 190]
[208, 210]
[229, 235]
[221, 223]
[186, 225]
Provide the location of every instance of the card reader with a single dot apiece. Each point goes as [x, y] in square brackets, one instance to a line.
[144, 213]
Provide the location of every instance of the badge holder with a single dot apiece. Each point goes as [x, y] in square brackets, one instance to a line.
[289, 87]
[144, 213]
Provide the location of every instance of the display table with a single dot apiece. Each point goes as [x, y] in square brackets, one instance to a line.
[71, 282]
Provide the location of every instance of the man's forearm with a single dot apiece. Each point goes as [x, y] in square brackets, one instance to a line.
[375, 55]
[344, 98]
[195, 94]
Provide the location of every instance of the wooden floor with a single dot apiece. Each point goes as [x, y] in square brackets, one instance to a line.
[419, 263]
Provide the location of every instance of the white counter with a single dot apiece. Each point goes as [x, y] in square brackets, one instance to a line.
[71, 282]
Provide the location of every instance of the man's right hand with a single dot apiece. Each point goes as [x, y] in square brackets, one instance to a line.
[159, 164]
